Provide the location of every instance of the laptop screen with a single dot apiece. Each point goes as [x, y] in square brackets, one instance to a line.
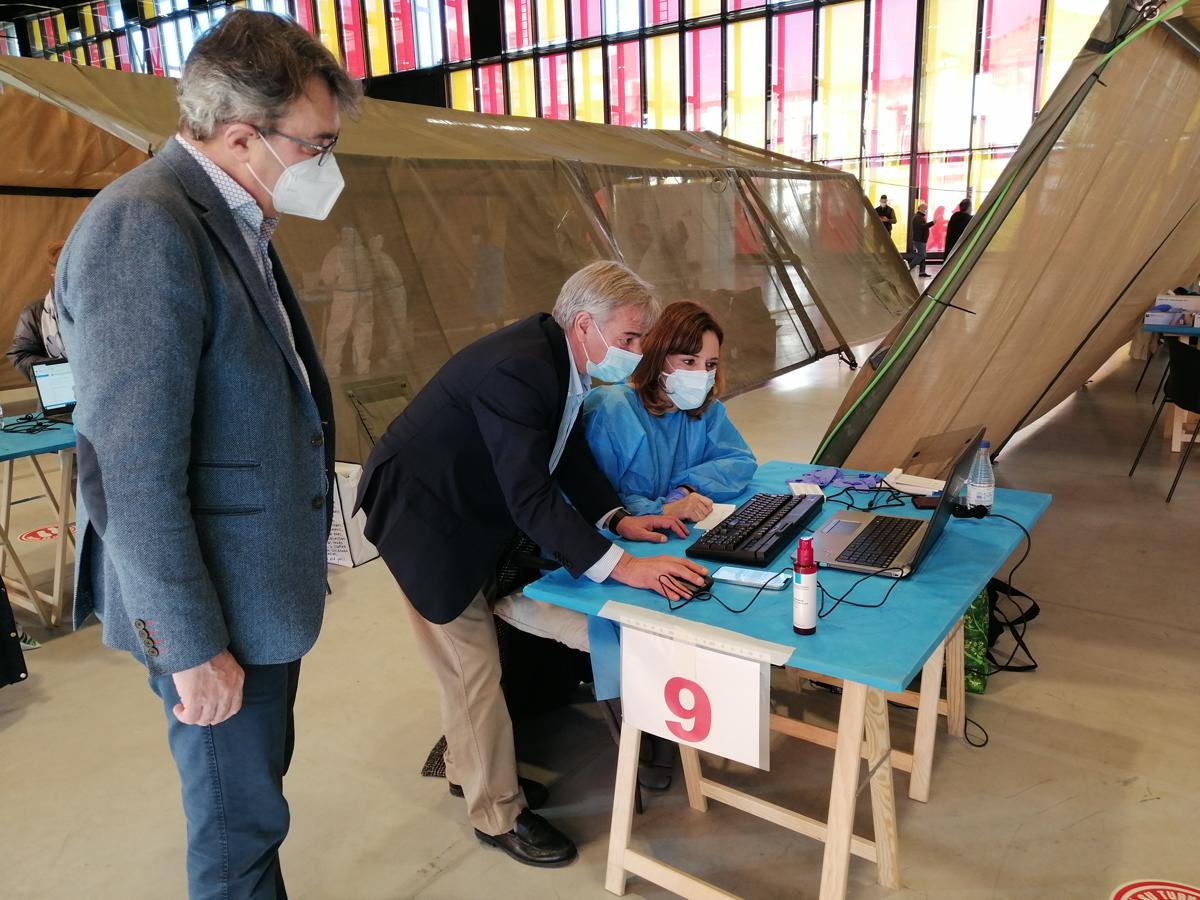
[55, 386]
[966, 442]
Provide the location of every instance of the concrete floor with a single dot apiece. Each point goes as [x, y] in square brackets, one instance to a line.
[1089, 779]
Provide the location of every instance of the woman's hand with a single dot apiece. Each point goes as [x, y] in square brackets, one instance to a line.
[691, 508]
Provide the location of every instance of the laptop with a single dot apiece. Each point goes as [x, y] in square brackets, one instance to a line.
[56, 389]
[895, 545]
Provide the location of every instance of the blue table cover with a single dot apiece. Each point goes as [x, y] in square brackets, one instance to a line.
[883, 648]
[13, 445]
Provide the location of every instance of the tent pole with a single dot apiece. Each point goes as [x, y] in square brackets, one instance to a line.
[1037, 153]
[768, 225]
[587, 198]
[1087, 337]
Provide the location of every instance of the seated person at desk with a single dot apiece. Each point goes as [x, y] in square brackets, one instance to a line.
[664, 441]
[36, 339]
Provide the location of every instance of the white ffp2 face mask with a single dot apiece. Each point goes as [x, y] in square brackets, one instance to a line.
[308, 188]
[688, 388]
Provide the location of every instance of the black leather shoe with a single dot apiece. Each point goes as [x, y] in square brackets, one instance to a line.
[536, 793]
[533, 841]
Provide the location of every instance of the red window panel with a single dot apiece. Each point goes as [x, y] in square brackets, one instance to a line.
[155, 44]
[94, 55]
[890, 71]
[556, 91]
[404, 44]
[304, 15]
[792, 84]
[458, 30]
[491, 89]
[704, 79]
[586, 18]
[625, 84]
[352, 39]
[746, 4]
[123, 60]
[518, 24]
[660, 12]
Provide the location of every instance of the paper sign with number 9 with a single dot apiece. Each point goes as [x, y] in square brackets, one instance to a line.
[700, 712]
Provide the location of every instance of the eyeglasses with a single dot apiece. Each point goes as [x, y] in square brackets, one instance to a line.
[320, 151]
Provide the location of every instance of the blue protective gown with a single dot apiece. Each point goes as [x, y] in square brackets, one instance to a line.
[646, 457]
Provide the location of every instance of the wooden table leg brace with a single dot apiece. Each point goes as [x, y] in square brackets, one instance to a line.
[864, 711]
[928, 704]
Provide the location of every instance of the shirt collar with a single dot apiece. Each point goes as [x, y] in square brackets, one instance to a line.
[244, 207]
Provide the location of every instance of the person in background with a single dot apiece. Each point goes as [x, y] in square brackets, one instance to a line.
[493, 444]
[205, 432]
[919, 235]
[958, 224]
[664, 440]
[886, 214]
[349, 273]
[37, 339]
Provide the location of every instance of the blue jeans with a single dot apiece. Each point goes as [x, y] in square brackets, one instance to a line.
[232, 779]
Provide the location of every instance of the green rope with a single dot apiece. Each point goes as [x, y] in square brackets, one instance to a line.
[935, 297]
[1137, 32]
[934, 301]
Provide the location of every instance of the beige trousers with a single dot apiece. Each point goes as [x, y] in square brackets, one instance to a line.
[480, 755]
[544, 620]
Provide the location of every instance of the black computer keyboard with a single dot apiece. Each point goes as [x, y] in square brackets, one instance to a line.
[756, 532]
[878, 544]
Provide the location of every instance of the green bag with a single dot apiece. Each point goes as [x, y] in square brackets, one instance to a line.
[975, 643]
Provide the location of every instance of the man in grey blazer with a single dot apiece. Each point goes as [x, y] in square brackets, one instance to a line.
[205, 428]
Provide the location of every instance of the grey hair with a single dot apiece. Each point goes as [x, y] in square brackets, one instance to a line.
[600, 288]
[250, 67]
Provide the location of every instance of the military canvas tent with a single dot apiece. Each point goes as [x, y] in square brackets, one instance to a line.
[1098, 211]
[454, 223]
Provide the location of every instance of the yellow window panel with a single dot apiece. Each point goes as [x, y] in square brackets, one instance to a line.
[462, 90]
[746, 81]
[589, 84]
[662, 82]
[521, 98]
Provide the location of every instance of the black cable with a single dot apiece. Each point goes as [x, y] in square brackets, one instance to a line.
[1017, 630]
[33, 423]
[967, 736]
[700, 596]
[822, 612]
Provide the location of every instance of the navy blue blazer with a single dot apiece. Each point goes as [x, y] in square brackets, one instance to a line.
[468, 463]
[205, 462]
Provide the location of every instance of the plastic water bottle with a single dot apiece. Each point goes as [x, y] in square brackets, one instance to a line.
[981, 483]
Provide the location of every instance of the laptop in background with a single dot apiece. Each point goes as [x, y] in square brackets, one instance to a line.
[56, 389]
[895, 545]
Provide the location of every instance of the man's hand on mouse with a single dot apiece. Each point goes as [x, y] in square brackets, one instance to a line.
[669, 576]
[651, 528]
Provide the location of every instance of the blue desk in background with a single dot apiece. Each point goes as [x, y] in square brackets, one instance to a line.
[875, 653]
[60, 439]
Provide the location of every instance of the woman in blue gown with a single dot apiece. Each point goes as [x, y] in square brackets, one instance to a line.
[664, 440]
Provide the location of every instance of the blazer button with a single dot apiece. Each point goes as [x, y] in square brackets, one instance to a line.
[152, 651]
[139, 624]
[318, 440]
[318, 502]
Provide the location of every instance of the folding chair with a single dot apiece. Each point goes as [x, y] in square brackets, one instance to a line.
[1183, 390]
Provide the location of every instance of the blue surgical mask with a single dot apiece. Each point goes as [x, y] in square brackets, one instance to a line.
[617, 364]
[688, 388]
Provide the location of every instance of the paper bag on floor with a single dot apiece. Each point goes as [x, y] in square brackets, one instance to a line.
[347, 545]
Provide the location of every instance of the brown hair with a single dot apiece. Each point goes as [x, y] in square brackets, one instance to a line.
[53, 250]
[680, 329]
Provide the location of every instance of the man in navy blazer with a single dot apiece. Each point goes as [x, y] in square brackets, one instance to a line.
[492, 444]
[205, 429]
